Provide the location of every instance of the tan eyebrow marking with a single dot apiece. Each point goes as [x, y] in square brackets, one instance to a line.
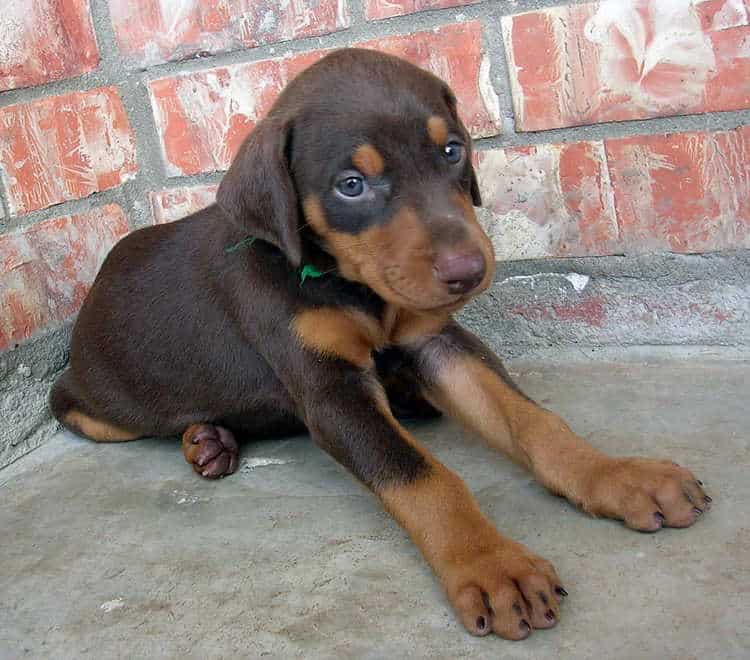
[437, 129]
[367, 159]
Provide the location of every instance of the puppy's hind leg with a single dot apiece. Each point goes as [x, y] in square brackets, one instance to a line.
[69, 411]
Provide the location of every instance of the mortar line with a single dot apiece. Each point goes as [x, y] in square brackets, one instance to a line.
[500, 74]
[357, 12]
[4, 206]
[133, 91]
[726, 120]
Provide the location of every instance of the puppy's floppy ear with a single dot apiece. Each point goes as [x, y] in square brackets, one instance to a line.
[258, 192]
[450, 101]
[476, 196]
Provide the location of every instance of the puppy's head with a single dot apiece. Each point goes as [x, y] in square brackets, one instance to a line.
[364, 154]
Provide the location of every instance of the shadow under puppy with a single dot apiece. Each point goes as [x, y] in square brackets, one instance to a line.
[317, 293]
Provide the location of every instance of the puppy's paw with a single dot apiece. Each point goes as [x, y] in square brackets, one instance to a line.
[646, 494]
[211, 450]
[506, 590]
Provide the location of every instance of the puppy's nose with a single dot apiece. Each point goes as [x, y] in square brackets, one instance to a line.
[460, 272]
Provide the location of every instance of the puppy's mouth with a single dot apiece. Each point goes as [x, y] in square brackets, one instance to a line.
[427, 303]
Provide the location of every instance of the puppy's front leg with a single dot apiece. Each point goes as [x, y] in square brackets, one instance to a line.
[461, 377]
[493, 583]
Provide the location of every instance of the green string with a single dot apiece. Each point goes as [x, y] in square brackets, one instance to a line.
[306, 271]
[245, 242]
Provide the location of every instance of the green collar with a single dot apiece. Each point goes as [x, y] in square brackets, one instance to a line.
[305, 270]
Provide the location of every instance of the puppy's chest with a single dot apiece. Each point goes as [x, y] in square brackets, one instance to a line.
[354, 332]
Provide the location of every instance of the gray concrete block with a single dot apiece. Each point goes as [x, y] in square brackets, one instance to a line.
[26, 374]
[658, 299]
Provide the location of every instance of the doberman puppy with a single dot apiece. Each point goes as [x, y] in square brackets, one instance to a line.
[317, 293]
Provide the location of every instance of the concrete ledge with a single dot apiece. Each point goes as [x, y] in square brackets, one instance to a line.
[26, 374]
[592, 303]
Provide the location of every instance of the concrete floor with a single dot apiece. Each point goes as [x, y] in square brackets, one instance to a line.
[120, 551]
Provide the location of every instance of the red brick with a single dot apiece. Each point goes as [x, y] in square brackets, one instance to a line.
[730, 87]
[46, 270]
[377, 9]
[44, 40]
[615, 61]
[153, 31]
[688, 192]
[203, 117]
[548, 200]
[175, 203]
[64, 147]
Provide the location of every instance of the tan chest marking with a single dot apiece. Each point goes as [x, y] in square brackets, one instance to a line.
[352, 335]
[343, 333]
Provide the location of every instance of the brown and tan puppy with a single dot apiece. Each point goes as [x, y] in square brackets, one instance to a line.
[361, 174]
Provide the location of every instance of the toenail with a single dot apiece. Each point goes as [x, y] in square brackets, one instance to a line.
[525, 625]
[699, 482]
[659, 516]
[549, 615]
[698, 512]
[481, 623]
[486, 601]
[561, 591]
[708, 499]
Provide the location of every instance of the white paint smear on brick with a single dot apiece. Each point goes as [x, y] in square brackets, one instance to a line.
[672, 37]
[733, 13]
[516, 236]
[18, 15]
[342, 13]
[487, 91]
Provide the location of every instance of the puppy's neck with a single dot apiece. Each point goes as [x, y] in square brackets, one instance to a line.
[404, 326]
[315, 256]
[398, 324]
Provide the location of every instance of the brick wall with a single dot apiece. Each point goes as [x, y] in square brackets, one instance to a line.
[120, 114]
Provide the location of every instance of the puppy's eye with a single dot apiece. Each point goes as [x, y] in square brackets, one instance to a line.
[453, 152]
[351, 185]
